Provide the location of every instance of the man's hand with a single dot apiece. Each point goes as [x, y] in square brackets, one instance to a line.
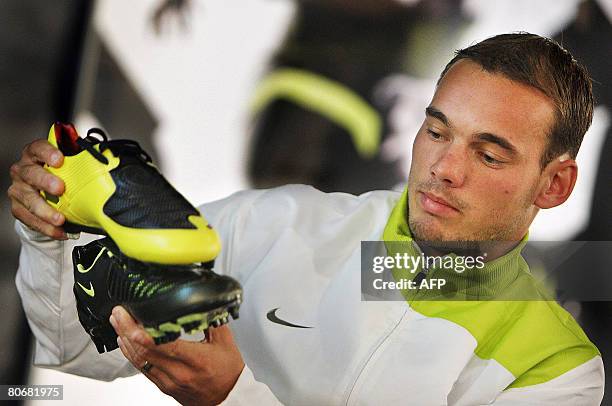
[29, 177]
[201, 373]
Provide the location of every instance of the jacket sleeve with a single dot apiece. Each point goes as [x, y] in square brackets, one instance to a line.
[583, 385]
[249, 391]
[44, 281]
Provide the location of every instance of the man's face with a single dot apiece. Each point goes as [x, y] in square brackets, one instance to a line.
[475, 169]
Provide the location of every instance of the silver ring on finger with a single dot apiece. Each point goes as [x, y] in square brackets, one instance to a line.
[146, 367]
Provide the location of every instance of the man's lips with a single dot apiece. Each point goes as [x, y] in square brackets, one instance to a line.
[435, 205]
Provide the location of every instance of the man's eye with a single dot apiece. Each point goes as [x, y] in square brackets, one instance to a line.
[490, 160]
[433, 134]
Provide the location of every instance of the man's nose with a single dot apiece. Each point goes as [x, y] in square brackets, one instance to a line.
[450, 167]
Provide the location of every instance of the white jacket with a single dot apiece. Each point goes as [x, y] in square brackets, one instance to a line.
[297, 249]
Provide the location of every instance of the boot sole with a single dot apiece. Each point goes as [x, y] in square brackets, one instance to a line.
[105, 339]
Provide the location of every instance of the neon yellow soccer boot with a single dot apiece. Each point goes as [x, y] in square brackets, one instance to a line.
[112, 188]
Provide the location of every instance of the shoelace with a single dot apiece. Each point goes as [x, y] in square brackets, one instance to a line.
[118, 147]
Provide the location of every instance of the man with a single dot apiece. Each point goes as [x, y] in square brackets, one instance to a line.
[497, 144]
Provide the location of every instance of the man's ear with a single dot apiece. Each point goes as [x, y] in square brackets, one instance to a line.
[560, 176]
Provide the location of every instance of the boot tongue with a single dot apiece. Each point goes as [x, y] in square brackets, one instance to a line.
[65, 138]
